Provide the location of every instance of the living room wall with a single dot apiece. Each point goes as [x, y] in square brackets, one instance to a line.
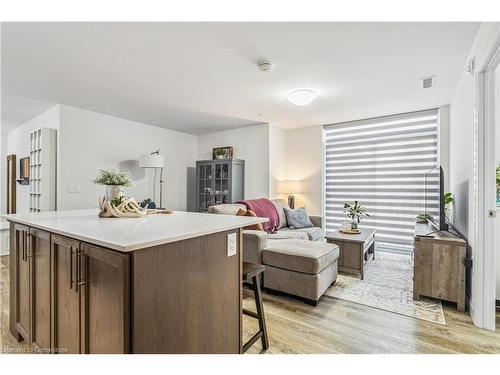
[91, 140]
[251, 144]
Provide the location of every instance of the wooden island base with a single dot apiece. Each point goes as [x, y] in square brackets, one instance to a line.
[69, 296]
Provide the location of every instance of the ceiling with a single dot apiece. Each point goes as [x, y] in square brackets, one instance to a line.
[202, 77]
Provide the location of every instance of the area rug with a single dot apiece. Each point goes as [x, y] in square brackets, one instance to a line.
[388, 285]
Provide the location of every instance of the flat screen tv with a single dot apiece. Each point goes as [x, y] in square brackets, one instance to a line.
[434, 198]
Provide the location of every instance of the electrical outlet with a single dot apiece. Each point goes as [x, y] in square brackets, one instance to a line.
[231, 244]
[73, 189]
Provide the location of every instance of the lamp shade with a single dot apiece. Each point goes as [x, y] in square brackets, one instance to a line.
[151, 161]
[290, 187]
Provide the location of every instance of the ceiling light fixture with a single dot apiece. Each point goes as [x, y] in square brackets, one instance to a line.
[302, 96]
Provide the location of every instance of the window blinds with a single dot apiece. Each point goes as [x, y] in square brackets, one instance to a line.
[381, 163]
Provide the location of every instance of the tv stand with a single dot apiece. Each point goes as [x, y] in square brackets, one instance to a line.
[438, 267]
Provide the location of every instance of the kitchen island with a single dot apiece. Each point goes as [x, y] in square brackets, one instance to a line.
[156, 284]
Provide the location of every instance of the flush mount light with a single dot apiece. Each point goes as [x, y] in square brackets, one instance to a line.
[301, 96]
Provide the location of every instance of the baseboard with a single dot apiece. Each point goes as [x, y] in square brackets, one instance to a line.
[4, 252]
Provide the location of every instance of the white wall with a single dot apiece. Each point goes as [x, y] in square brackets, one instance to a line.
[444, 144]
[90, 140]
[461, 133]
[304, 150]
[278, 162]
[251, 144]
[18, 144]
[497, 149]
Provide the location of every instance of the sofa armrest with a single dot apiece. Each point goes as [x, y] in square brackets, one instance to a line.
[253, 243]
[316, 220]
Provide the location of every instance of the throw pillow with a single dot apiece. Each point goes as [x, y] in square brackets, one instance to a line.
[242, 212]
[298, 218]
[280, 204]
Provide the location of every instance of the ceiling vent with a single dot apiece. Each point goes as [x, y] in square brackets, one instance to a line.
[427, 82]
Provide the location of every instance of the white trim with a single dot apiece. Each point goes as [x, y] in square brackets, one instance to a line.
[483, 241]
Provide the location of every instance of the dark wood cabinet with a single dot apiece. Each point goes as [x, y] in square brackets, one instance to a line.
[30, 310]
[21, 313]
[105, 284]
[39, 256]
[66, 296]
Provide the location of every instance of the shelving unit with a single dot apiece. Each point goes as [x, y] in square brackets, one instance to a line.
[219, 181]
[43, 170]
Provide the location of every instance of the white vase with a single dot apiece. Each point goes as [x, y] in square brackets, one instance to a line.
[113, 191]
[449, 213]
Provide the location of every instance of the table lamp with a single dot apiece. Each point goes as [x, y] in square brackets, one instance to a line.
[291, 187]
[154, 160]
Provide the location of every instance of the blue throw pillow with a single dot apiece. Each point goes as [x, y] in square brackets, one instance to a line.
[298, 218]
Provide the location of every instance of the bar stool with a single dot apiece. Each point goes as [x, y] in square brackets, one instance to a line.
[251, 272]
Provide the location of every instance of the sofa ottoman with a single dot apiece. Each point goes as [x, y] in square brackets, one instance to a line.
[301, 268]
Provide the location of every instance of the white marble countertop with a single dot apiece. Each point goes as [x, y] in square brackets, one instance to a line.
[128, 234]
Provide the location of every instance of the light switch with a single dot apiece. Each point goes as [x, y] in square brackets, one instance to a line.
[231, 244]
[73, 189]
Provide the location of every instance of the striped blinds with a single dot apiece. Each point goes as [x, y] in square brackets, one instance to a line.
[381, 163]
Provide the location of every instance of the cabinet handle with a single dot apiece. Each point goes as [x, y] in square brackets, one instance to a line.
[79, 279]
[71, 267]
[25, 238]
[29, 246]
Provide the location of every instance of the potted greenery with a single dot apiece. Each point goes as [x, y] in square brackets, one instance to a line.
[114, 181]
[355, 213]
[219, 153]
[498, 185]
[448, 205]
[423, 218]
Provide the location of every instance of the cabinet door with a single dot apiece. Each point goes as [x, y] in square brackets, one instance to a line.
[104, 279]
[39, 255]
[65, 295]
[22, 314]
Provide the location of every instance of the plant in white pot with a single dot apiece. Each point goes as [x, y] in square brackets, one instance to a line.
[355, 212]
[114, 180]
[448, 206]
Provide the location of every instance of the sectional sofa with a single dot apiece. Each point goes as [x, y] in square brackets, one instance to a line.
[297, 261]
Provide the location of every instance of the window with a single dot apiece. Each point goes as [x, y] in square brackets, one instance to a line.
[381, 163]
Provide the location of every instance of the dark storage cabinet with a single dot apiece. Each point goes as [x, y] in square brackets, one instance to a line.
[219, 181]
[68, 296]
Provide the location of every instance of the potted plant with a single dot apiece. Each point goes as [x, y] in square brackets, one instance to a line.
[355, 213]
[423, 218]
[219, 153]
[114, 181]
[448, 205]
[498, 185]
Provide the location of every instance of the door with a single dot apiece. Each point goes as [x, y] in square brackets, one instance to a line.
[104, 279]
[205, 186]
[39, 256]
[65, 295]
[221, 183]
[22, 313]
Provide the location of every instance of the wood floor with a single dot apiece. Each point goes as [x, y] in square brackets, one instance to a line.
[334, 326]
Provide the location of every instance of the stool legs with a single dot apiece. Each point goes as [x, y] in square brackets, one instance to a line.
[260, 311]
[262, 334]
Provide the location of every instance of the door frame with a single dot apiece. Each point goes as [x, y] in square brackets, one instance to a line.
[483, 241]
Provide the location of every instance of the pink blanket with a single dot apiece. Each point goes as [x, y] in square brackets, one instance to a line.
[264, 208]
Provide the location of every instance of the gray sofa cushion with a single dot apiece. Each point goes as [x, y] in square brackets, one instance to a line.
[280, 204]
[286, 234]
[226, 209]
[312, 233]
[301, 256]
